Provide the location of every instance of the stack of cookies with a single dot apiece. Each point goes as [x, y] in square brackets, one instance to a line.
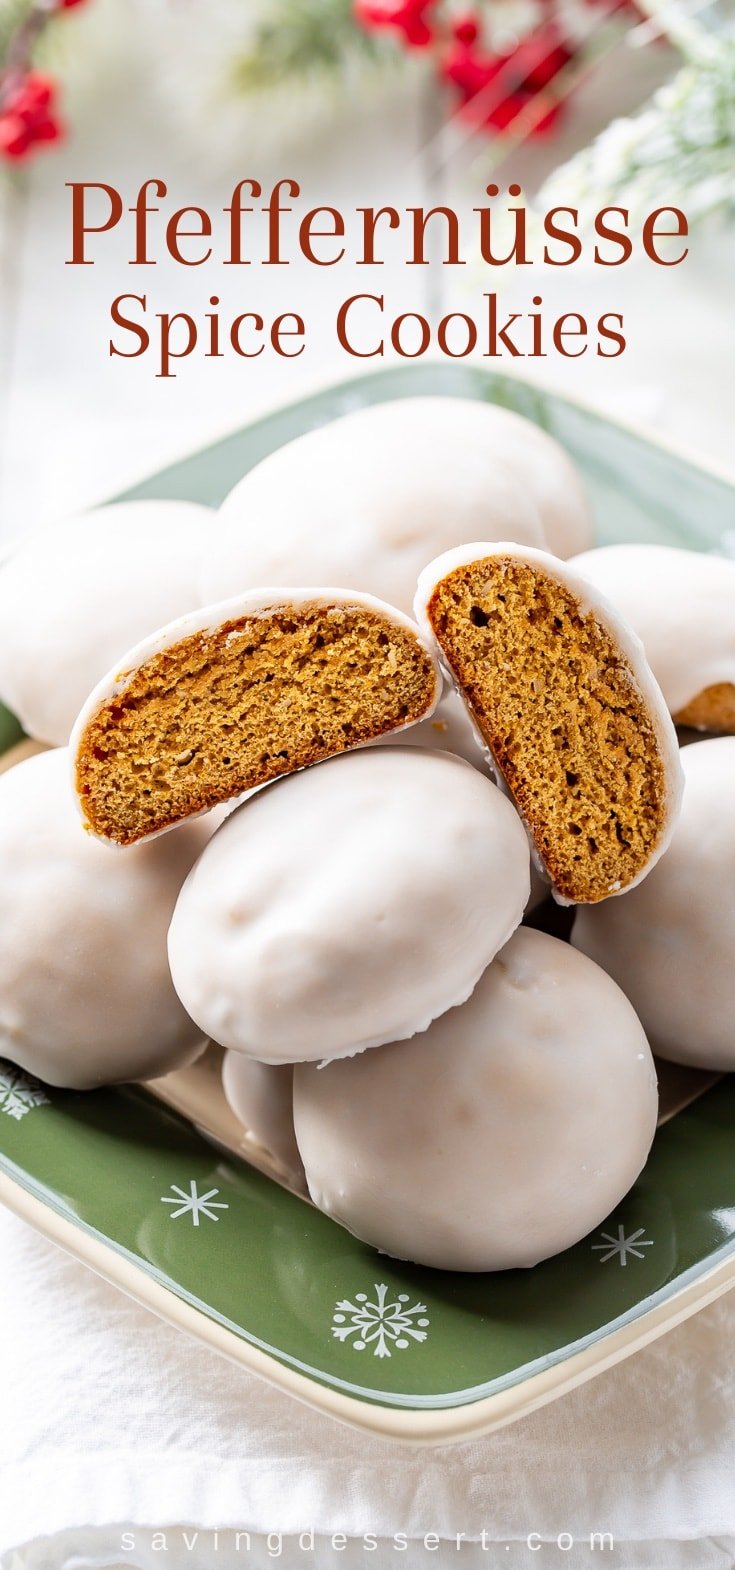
[314, 761]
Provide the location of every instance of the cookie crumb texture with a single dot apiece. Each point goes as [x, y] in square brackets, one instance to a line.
[225, 710]
[563, 717]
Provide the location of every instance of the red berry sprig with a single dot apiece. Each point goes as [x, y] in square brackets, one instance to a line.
[493, 87]
[28, 98]
[28, 116]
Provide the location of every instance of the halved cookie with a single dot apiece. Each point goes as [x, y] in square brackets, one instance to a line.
[560, 690]
[223, 700]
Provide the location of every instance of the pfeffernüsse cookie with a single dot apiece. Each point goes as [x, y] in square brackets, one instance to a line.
[86, 996]
[369, 499]
[74, 597]
[348, 905]
[562, 694]
[229, 698]
[682, 606]
[261, 1097]
[502, 1135]
[671, 942]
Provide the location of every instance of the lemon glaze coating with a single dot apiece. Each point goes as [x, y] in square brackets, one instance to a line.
[74, 597]
[671, 942]
[500, 1136]
[451, 729]
[261, 1097]
[369, 499]
[348, 905]
[86, 996]
[682, 606]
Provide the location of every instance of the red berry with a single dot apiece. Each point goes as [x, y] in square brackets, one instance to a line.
[469, 70]
[33, 91]
[407, 17]
[26, 114]
[466, 29]
[14, 138]
[495, 89]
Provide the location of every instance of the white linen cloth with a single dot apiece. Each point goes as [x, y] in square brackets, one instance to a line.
[111, 1421]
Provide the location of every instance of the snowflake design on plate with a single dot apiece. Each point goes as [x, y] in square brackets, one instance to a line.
[621, 1246]
[383, 1323]
[194, 1204]
[19, 1093]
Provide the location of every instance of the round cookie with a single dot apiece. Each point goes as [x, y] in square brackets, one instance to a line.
[261, 1097]
[74, 597]
[671, 942]
[559, 687]
[367, 500]
[86, 996]
[348, 905]
[682, 606]
[502, 1135]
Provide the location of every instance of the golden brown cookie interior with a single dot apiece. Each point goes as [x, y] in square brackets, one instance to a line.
[559, 707]
[222, 711]
[712, 710]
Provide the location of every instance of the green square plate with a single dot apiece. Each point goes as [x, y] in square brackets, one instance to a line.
[218, 1249]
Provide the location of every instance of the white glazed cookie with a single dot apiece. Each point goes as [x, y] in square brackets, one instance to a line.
[261, 1097]
[558, 685]
[682, 606]
[86, 996]
[671, 943]
[367, 500]
[502, 1135]
[74, 597]
[348, 905]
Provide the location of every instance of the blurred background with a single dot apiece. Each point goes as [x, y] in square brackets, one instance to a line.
[374, 102]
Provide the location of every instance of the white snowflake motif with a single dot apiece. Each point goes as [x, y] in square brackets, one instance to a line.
[19, 1093]
[194, 1204]
[380, 1324]
[621, 1246]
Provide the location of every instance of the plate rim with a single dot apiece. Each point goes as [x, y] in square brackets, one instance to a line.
[417, 1427]
[424, 1428]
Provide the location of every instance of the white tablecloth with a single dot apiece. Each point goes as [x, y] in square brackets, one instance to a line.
[114, 1423]
[111, 1423]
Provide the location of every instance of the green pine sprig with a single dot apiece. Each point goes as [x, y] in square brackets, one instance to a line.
[307, 41]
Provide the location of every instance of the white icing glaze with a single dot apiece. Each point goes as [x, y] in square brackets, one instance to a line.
[85, 991]
[451, 729]
[502, 1135]
[261, 1096]
[260, 602]
[591, 600]
[682, 606]
[368, 499]
[348, 905]
[74, 597]
[671, 943]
